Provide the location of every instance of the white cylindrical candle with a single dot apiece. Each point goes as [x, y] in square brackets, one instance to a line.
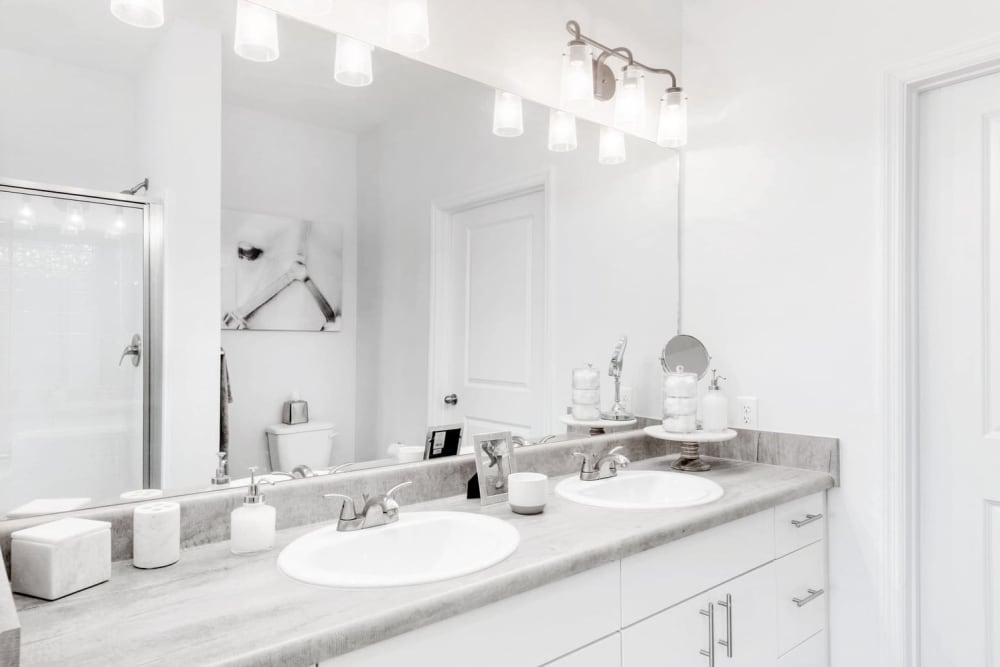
[156, 535]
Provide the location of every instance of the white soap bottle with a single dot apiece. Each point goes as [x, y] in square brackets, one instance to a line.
[714, 407]
[252, 526]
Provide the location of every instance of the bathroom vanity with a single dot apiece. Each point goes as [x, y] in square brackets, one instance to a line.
[586, 586]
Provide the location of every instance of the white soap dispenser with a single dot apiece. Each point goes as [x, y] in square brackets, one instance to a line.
[252, 526]
[714, 407]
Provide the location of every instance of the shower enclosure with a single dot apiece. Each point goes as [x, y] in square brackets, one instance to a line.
[74, 346]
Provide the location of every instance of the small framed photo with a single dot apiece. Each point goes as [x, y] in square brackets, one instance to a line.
[442, 441]
[494, 464]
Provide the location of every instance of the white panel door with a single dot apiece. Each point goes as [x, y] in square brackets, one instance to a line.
[959, 370]
[496, 320]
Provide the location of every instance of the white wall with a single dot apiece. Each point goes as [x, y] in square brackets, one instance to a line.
[181, 115]
[612, 262]
[67, 125]
[282, 167]
[782, 221]
[516, 44]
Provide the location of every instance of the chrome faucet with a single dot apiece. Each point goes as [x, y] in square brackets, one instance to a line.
[605, 467]
[353, 519]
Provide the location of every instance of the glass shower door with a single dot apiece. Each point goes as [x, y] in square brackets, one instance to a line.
[72, 367]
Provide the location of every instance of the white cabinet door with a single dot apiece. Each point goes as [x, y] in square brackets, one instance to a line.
[673, 638]
[605, 653]
[745, 620]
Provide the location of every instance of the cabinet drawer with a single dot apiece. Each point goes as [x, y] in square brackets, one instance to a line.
[799, 523]
[659, 578]
[605, 653]
[802, 599]
[811, 653]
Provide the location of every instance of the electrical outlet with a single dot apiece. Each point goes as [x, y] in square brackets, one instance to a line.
[747, 415]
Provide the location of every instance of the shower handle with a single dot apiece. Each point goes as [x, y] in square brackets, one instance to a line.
[134, 350]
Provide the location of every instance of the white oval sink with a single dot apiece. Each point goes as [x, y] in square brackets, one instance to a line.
[642, 490]
[420, 547]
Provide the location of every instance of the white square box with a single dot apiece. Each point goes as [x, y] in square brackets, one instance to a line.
[61, 557]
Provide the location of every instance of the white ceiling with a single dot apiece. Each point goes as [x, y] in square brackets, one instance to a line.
[298, 85]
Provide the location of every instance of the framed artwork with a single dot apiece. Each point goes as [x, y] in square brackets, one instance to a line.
[281, 274]
[494, 463]
[442, 441]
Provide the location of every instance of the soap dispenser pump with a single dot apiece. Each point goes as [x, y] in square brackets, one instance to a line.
[252, 525]
[714, 407]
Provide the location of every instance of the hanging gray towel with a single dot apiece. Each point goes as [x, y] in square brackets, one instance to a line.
[225, 398]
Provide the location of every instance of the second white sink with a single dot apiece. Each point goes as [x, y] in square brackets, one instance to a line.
[642, 490]
[419, 548]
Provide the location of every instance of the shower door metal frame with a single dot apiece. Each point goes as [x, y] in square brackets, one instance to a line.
[152, 303]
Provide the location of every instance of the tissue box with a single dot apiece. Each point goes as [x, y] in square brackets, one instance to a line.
[61, 557]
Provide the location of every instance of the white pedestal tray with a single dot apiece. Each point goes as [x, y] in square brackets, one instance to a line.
[596, 426]
[690, 459]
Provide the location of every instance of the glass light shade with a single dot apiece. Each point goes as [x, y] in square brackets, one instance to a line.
[612, 146]
[630, 100]
[316, 7]
[578, 78]
[672, 131]
[562, 131]
[256, 32]
[508, 119]
[409, 29]
[352, 65]
[139, 13]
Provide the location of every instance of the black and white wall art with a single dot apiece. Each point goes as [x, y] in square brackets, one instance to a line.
[281, 274]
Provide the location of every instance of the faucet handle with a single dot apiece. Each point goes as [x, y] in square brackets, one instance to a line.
[348, 507]
[388, 494]
[616, 449]
[586, 466]
[390, 502]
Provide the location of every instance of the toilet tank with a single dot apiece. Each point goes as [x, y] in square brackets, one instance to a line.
[291, 445]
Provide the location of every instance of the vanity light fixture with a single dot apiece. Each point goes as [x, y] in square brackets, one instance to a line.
[138, 13]
[508, 118]
[352, 65]
[256, 32]
[630, 103]
[562, 131]
[611, 149]
[409, 27]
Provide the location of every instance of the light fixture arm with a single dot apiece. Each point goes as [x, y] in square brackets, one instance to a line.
[573, 28]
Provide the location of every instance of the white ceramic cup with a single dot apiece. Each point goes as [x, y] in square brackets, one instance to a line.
[527, 492]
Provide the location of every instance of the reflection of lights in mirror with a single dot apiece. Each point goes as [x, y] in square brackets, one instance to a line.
[256, 32]
[26, 210]
[352, 64]
[562, 131]
[138, 13]
[409, 30]
[508, 118]
[612, 146]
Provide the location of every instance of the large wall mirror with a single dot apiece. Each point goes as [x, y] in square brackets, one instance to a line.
[376, 251]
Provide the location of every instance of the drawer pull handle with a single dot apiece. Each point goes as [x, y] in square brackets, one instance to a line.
[710, 653]
[813, 594]
[798, 523]
[727, 604]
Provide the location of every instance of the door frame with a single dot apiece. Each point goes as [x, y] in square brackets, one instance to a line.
[152, 306]
[898, 390]
[439, 344]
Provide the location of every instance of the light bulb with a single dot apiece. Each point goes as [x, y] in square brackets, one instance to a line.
[672, 131]
[138, 13]
[26, 210]
[611, 149]
[256, 32]
[409, 29]
[352, 65]
[508, 120]
[562, 131]
[630, 102]
[578, 77]
[316, 7]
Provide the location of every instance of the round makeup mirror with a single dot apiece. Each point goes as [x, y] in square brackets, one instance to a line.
[686, 351]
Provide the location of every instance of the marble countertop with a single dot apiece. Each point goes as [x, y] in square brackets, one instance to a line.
[214, 608]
